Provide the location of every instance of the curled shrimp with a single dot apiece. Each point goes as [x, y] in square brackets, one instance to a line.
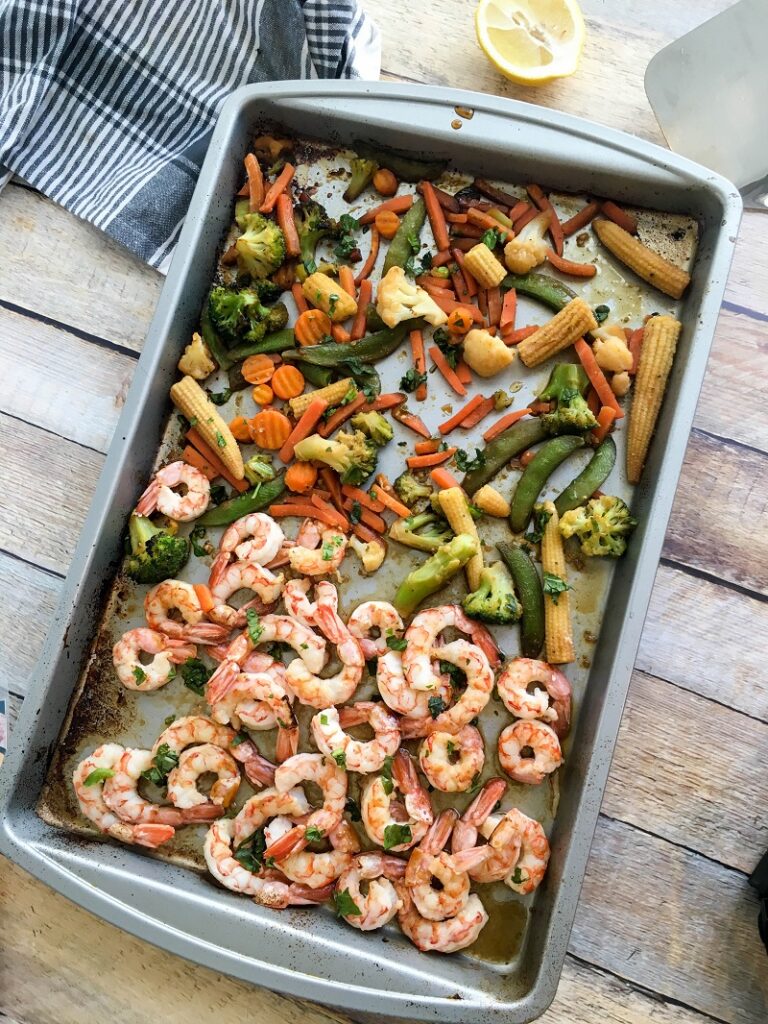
[322, 613]
[451, 761]
[531, 865]
[337, 689]
[441, 936]
[311, 648]
[242, 576]
[322, 560]
[503, 836]
[311, 867]
[254, 538]
[385, 815]
[268, 804]
[192, 730]
[363, 756]
[161, 497]
[135, 675]
[175, 596]
[331, 779]
[376, 907]
[258, 770]
[476, 694]
[267, 889]
[122, 796]
[422, 635]
[370, 616]
[552, 704]
[89, 792]
[429, 862]
[198, 761]
[260, 715]
[238, 698]
[398, 695]
[529, 751]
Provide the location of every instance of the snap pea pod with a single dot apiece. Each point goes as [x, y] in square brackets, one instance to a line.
[400, 248]
[259, 497]
[373, 321]
[591, 477]
[546, 289]
[501, 449]
[405, 166]
[536, 474]
[320, 376]
[277, 341]
[529, 591]
[213, 341]
[367, 350]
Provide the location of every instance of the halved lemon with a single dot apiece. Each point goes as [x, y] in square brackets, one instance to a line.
[531, 41]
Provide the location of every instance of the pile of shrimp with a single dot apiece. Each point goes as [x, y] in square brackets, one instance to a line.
[418, 866]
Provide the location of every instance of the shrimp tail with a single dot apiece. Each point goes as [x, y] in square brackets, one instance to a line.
[147, 503]
[152, 836]
[291, 842]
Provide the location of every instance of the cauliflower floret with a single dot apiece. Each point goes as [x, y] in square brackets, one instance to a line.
[400, 300]
[486, 354]
[611, 350]
[197, 361]
[528, 249]
[371, 554]
[620, 383]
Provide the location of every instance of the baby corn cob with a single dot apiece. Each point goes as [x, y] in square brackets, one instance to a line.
[491, 502]
[332, 393]
[558, 632]
[325, 293]
[656, 355]
[484, 267]
[189, 398]
[644, 261]
[567, 326]
[453, 502]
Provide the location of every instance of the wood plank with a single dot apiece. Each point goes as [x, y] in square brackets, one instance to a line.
[58, 381]
[692, 772]
[672, 922]
[33, 595]
[748, 280]
[65, 269]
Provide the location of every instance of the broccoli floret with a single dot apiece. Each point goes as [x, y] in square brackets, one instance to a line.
[437, 532]
[566, 387]
[276, 318]
[434, 573]
[261, 247]
[362, 173]
[156, 554]
[239, 315]
[602, 526]
[312, 224]
[410, 490]
[352, 456]
[259, 468]
[494, 600]
[376, 426]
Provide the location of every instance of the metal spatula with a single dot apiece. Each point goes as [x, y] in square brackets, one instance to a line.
[708, 91]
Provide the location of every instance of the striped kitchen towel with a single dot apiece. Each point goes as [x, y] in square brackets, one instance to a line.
[107, 107]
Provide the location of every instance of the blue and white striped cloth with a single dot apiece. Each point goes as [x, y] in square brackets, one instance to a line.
[107, 106]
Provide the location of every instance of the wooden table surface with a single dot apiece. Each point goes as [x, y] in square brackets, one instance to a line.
[666, 928]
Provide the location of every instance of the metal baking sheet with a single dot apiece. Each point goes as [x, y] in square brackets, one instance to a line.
[512, 971]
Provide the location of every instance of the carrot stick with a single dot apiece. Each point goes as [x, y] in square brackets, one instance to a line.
[428, 281]
[443, 257]
[467, 242]
[304, 511]
[383, 402]
[277, 188]
[513, 337]
[284, 216]
[494, 305]
[244, 190]
[555, 228]
[460, 285]
[419, 361]
[596, 375]
[255, 184]
[456, 218]
[621, 217]
[580, 219]
[307, 423]
[506, 421]
[485, 408]
[193, 457]
[571, 267]
[302, 499]
[347, 280]
[440, 289]
[298, 298]
[444, 479]
[340, 519]
[371, 261]
[463, 372]
[331, 481]
[378, 493]
[445, 370]
[215, 462]
[635, 345]
[364, 298]
[342, 415]
[436, 215]
[356, 494]
[204, 596]
[520, 207]
[593, 402]
[485, 221]
[399, 204]
[472, 286]
[427, 447]
[365, 534]
[448, 305]
[525, 218]
[446, 200]
[482, 302]
[508, 310]
[340, 334]
[461, 415]
[435, 459]
[371, 519]
[605, 418]
[413, 422]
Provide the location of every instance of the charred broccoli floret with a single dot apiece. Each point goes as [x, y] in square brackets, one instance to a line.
[410, 490]
[313, 224]
[567, 385]
[362, 173]
[238, 315]
[494, 600]
[376, 426]
[261, 247]
[406, 531]
[602, 526]
[352, 456]
[156, 554]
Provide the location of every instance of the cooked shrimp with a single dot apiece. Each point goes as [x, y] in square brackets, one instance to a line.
[183, 779]
[503, 835]
[381, 902]
[311, 867]
[517, 688]
[264, 806]
[161, 497]
[160, 670]
[254, 538]
[357, 755]
[310, 647]
[544, 746]
[473, 698]
[429, 862]
[238, 698]
[370, 616]
[324, 693]
[266, 890]
[441, 936]
[91, 799]
[331, 779]
[451, 761]
[242, 576]
[381, 809]
[260, 714]
[531, 866]
[322, 560]
[176, 596]
[398, 695]
[322, 613]
[309, 534]
[122, 796]
[258, 770]
[193, 730]
[422, 636]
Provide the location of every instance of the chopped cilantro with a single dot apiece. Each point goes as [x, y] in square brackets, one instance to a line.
[220, 397]
[250, 853]
[436, 706]
[221, 441]
[313, 834]
[397, 835]
[195, 675]
[540, 519]
[164, 761]
[255, 629]
[412, 379]
[345, 905]
[467, 464]
[139, 675]
[397, 643]
[353, 809]
[555, 586]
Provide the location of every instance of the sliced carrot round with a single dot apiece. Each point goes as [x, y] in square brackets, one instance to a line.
[288, 381]
[459, 321]
[258, 369]
[239, 428]
[311, 327]
[262, 395]
[270, 429]
[301, 477]
[385, 182]
[387, 223]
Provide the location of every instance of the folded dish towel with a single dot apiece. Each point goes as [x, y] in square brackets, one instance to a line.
[107, 108]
